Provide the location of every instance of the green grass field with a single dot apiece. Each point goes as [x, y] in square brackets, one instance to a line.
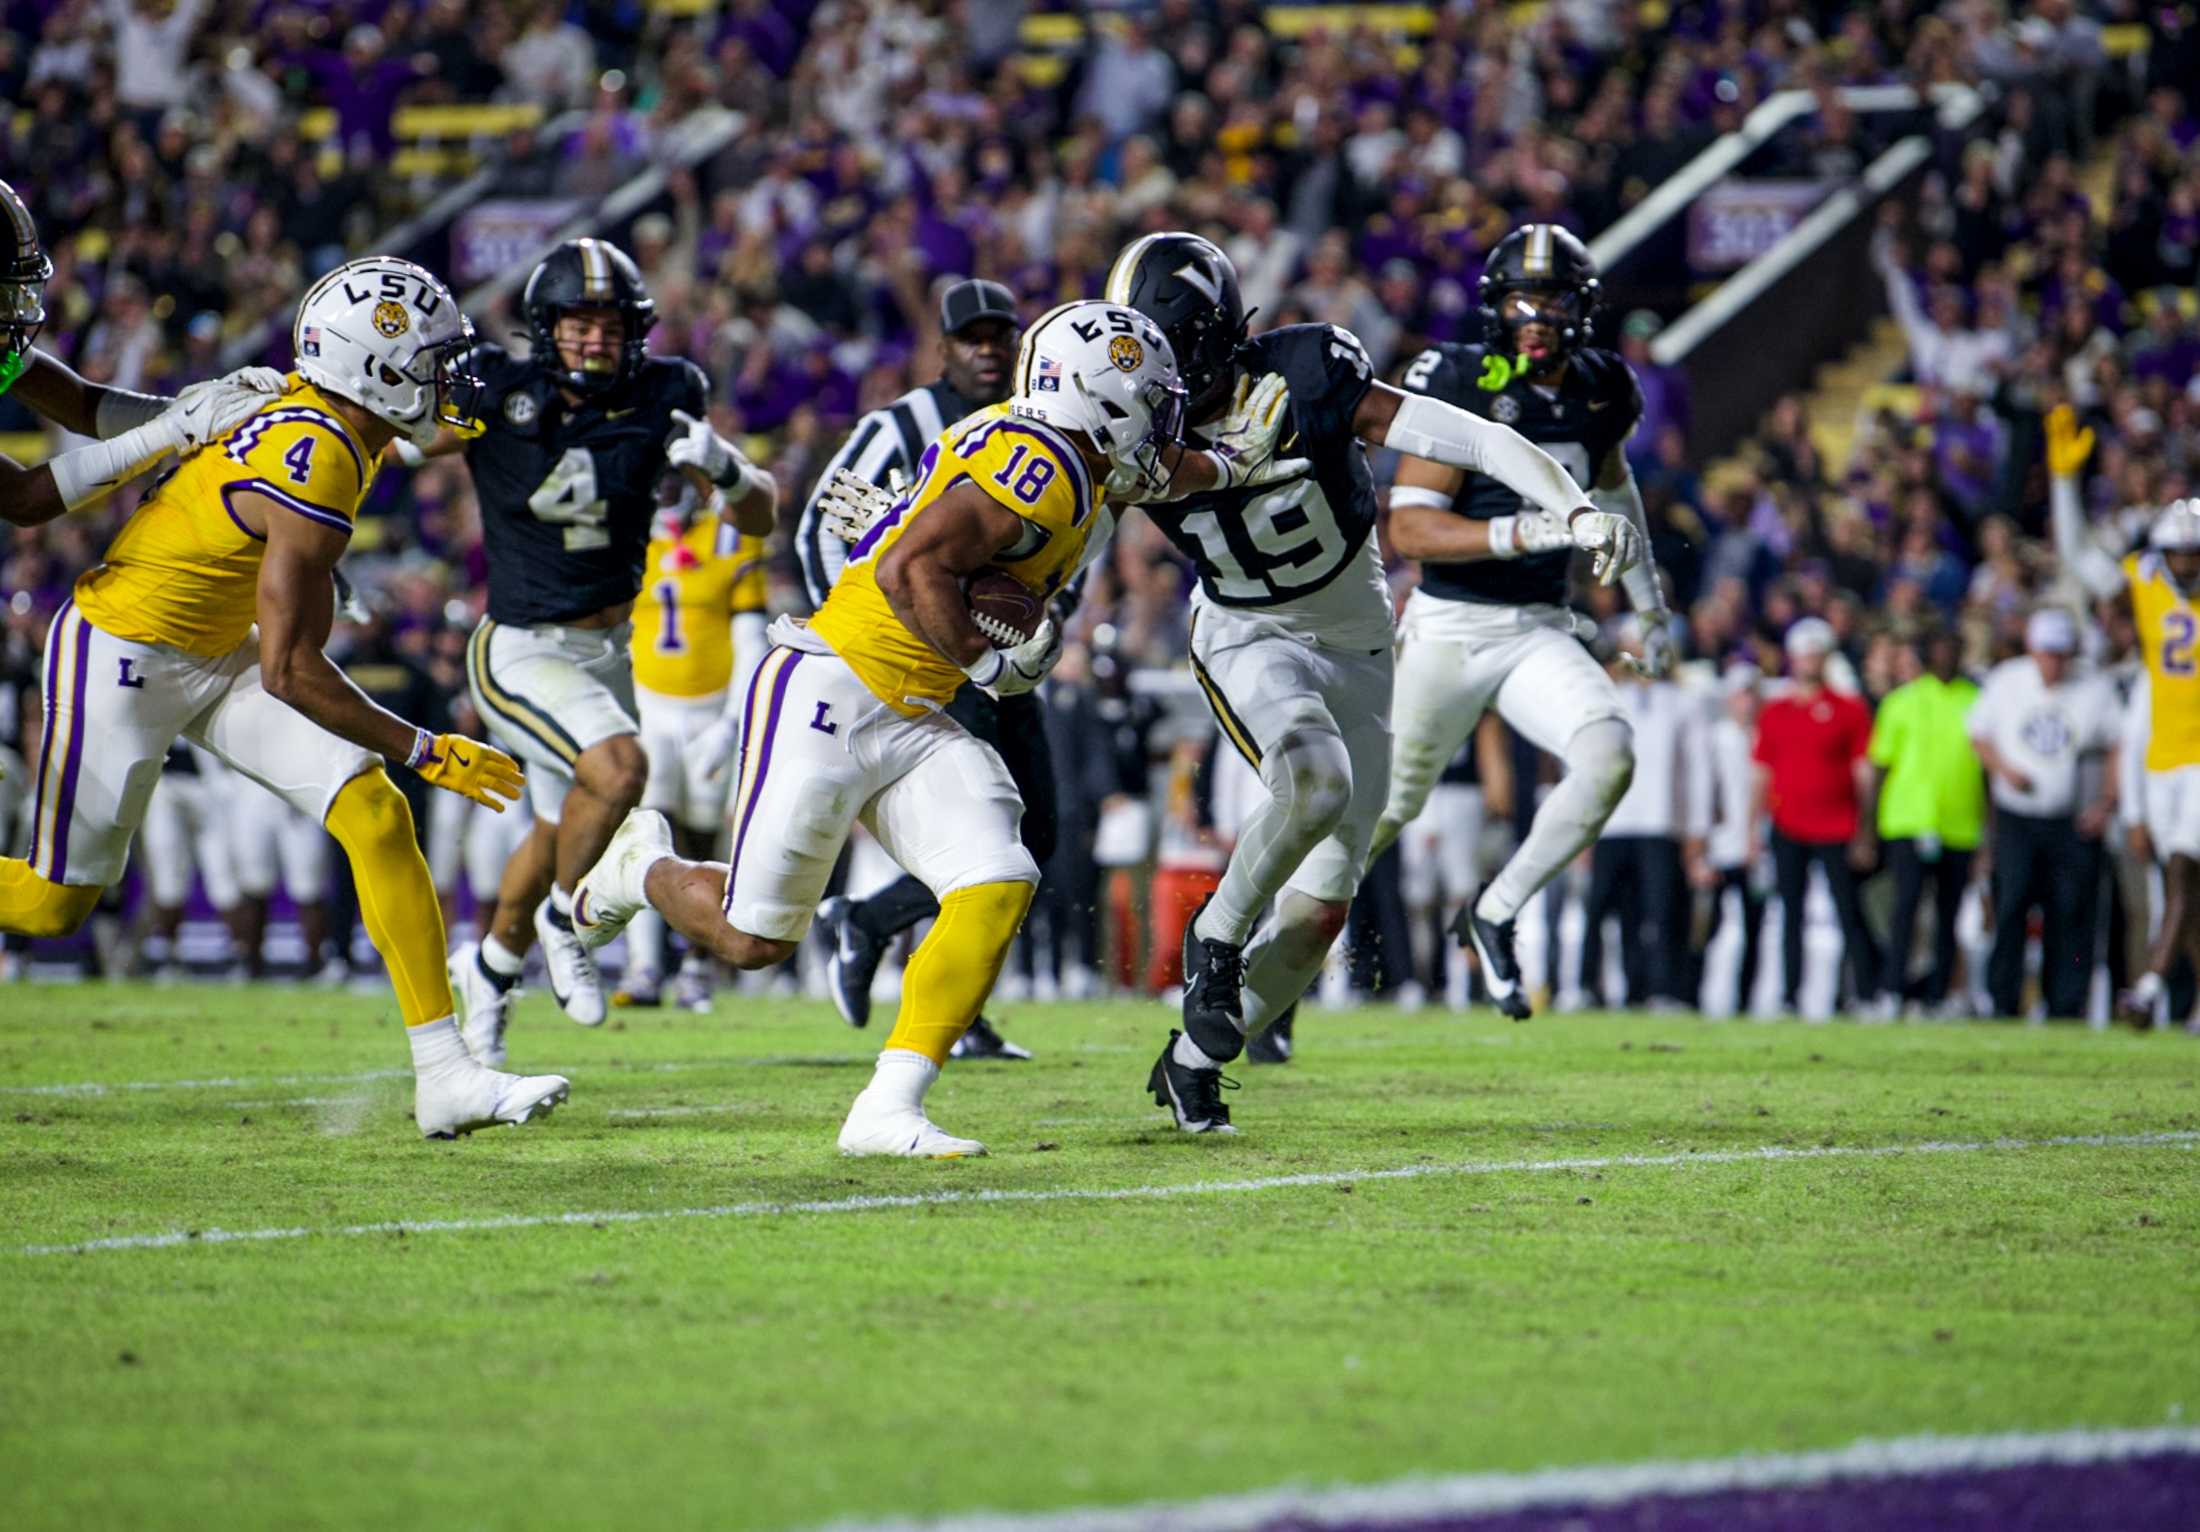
[1159, 1318]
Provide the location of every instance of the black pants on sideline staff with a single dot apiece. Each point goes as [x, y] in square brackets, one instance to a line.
[1949, 873]
[1791, 864]
[1637, 878]
[2044, 865]
[1737, 881]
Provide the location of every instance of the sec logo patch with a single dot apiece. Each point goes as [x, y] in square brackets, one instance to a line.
[519, 409]
[1505, 409]
[1125, 352]
[391, 319]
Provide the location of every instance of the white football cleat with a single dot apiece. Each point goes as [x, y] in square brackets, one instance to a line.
[456, 1098]
[874, 1127]
[611, 894]
[573, 976]
[483, 1009]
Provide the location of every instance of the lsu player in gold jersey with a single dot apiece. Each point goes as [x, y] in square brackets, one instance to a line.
[131, 432]
[207, 619]
[843, 719]
[2161, 582]
[699, 631]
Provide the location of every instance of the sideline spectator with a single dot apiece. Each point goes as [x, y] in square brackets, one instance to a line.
[2041, 729]
[1931, 812]
[1812, 773]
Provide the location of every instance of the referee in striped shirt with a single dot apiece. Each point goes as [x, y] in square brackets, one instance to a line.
[978, 335]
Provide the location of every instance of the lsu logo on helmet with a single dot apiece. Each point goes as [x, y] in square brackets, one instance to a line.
[1125, 352]
[391, 319]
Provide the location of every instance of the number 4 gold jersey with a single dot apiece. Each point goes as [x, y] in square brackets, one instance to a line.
[2168, 637]
[692, 587]
[185, 569]
[1027, 466]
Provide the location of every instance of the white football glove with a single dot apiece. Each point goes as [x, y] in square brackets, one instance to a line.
[1611, 538]
[694, 444]
[210, 410]
[713, 750]
[1659, 653]
[1244, 440]
[1010, 672]
[851, 503]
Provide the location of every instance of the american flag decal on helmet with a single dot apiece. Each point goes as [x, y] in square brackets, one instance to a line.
[309, 340]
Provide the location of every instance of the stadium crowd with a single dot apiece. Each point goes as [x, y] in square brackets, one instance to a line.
[878, 148]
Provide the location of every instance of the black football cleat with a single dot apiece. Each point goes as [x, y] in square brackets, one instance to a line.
[1493, 945]
[853, 962]
[1193, 1096]
[1214, 992]
[1272, 1044]
[981, 1041]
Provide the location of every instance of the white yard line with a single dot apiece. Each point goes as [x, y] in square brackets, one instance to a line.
[1773, 1155]
[1407, 1501]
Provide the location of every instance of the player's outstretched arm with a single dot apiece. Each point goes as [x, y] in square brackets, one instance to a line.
[751, 494]
[1422, 427]
[1423, 525]
[297, 605]
[2068, 448]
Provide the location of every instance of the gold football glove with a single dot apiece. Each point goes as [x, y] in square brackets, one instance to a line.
[2067, 446]
[468, 767]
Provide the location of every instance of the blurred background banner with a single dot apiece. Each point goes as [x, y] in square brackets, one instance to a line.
[1738, 221]
[493, 236]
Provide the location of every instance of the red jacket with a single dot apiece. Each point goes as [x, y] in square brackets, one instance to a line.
[1810, 745]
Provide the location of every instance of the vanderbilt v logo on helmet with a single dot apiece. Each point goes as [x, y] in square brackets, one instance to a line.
[25, 269]
[589, 274]
[1188, 287]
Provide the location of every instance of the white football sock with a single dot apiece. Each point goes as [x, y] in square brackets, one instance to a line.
[645, 944]
[437, 1045]
[902, 1078]
[500, 959]
[561, 900]
[1190, 1055]
[1308, 774]
[1600, 761]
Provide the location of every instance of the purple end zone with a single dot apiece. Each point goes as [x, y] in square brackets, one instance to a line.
[2145, 1494]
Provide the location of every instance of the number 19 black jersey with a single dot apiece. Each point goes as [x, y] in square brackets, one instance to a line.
[1275, 545]
[568, 492]
[1592, 411]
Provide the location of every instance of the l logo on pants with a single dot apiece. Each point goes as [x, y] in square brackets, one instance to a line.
[127, 679]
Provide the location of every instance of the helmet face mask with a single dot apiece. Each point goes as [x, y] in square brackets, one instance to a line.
[25, 269]
[592, 277]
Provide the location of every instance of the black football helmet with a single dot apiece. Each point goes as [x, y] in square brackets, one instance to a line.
[25, 269]
[1188, 287]
[588, 274]
[1540, 274]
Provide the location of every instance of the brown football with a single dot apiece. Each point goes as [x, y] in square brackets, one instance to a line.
[1006, 610]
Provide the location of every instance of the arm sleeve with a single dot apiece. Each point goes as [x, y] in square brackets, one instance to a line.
[1644, 593]
[1444, 433]
[2096, 568]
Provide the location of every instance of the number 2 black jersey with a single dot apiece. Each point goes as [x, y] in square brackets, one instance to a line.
[568, 492]
[1590, 413]
[1281, 545]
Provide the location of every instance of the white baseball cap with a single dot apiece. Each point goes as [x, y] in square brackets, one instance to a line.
[1812, 635]
[2051, 630]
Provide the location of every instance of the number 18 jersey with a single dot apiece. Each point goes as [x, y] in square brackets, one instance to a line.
[1029, 467]
[568, 492]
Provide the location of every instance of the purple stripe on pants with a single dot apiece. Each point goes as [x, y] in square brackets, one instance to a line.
[53, 707]
[763, 766]
[67, 805]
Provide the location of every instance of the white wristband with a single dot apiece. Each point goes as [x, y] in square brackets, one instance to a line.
[423, 749]
[87, 473]
[1504, 544]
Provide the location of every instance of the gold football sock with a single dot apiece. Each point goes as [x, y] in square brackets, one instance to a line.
[372, 822]
[31, 906]
[954, 967]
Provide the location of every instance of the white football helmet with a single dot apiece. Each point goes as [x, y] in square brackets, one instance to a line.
[2177, 529]
[1105, 370]
[388, 336]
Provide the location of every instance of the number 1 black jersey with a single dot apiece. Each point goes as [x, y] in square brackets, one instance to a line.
[1592, 411]
[568, 493]
[1277, 545]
